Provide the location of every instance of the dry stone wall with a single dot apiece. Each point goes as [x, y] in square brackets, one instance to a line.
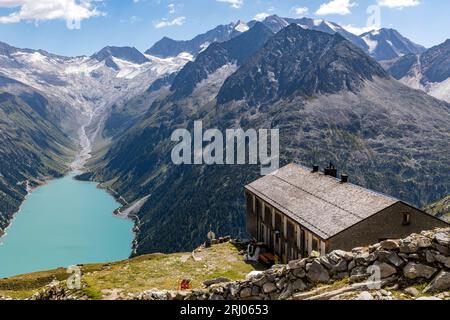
[419, 258]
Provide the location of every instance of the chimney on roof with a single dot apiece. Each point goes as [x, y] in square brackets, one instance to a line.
[331, 170]
[315, 168]
[344, 178]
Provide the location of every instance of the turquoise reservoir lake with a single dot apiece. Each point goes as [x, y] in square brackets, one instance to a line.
[64, 223]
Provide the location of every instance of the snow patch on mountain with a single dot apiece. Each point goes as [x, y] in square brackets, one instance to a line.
[440, 90]
[332, 26]
[372, 44]
[85, 82]
[242, 27]
[318, 22]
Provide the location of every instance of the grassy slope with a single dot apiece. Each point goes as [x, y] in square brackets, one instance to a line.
[139, 274]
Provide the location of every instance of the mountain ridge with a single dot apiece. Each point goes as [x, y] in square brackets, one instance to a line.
[372, 131]
[382, 44]
[233, 51]
[389, 44]
[312, 68]
[33, 145]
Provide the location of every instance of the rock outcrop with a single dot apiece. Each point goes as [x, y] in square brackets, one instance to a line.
[398, 265]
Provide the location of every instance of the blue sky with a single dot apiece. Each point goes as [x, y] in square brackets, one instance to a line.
[42, 24]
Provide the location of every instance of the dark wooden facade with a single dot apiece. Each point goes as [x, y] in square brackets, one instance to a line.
[293, 216]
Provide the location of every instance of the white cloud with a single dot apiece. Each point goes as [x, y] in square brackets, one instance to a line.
[398, 4]
[340, 7]
[299, 11]
[44, 10]
[234, 3]
[178, 21]
[261, 16]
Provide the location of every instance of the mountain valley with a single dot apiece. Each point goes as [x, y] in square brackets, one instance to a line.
[323, 87]
[331, 103]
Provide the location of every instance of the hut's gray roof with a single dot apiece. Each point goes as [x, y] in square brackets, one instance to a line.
[320, 203]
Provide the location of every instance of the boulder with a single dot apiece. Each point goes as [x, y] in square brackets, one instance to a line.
[408, 245]
[217, 297]
[326, 262]
[358, 274]
[423, 242]
[374, 247]
[429, 256]
[334, 263]
[341, 266]
[254, 275]
[443, 238]
[255, 290]
[348, 256]
[365, 295]
[440, 283]
[386, 270]
[442, 259]
[417, 270]
[390, 257]
[299, 273]
[351, 265]
[260, 281]
[209, 283]
[297, 264]
[411, 291]
[390, 245]
[317, 273]
[269, 287]
[282, 282]
[445, 250]
[364, 258]
[287, 293]
[298, 285]
[245, 293]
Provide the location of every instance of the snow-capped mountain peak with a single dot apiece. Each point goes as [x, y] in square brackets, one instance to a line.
[388, 44]
[124, 53]
[87, 83]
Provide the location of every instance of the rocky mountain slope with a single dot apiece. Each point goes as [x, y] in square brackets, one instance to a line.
[33, 145]
[429, 71]
[297, 69]
[220, 59]
[167, 47]
[233, 52]
[414, 268]
[87, 84]
[440, 209]
[48, 101]
[330, 103]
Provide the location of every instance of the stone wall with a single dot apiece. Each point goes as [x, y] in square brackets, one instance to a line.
[420, 258]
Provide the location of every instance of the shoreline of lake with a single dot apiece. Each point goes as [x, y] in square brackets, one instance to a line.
[105, 247]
